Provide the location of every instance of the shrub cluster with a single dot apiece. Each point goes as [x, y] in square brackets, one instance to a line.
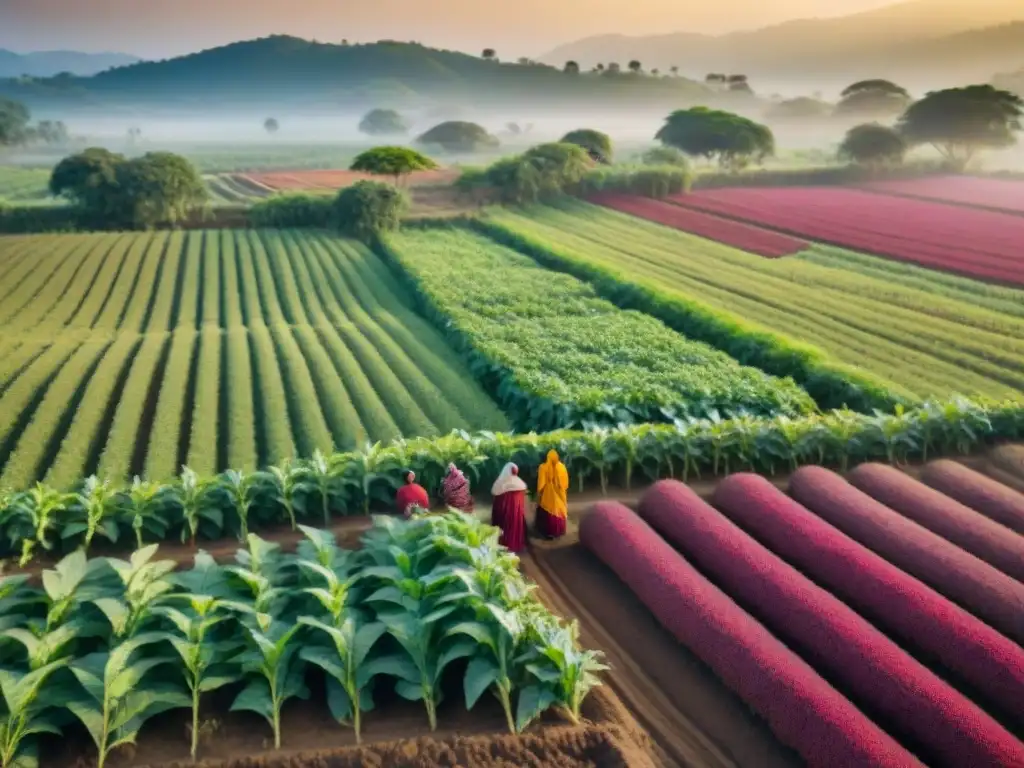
[363, 210]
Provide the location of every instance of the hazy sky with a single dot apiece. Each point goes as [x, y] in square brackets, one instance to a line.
[161, 28]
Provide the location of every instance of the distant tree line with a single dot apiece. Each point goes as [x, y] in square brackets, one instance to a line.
[16, 127]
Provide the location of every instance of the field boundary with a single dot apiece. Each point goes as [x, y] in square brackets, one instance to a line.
[831, 384]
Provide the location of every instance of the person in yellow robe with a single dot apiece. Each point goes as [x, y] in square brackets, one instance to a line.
[552, 490]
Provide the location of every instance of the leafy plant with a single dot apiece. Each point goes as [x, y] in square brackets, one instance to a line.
[561, 663]
[25, 712]
[240, 486]
[289, 482]
[194, 495]
[43, 506]
[145, 501]
[98, 502]
[144, 582]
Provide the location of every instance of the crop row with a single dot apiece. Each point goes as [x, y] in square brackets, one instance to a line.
[113, 643]
[323, 352]
[555, 355]
[356, 481]
[829, 597]
[969, 241]
[917, 335]
[20, 184]
[997, 194]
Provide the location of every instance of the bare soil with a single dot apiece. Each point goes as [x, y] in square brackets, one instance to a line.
[292, 181]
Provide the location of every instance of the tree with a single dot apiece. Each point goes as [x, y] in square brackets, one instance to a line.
[635, 67]
[655, 72]
[392, 161]
[134, 134]
[383, 122]
[270, 125]
[873, 145]
[366, 209]
[960, 121]
[664, 156]
[596, 144]
[800, 108]
[613, 68]
[52, 132]
[702, 132]
[571, 68]
[14, 119]
[715, 80]
[457, 136]
[738, 84]
[86, 179]
[873, 98]
[540, 173]
[674, 71]
[489, 54]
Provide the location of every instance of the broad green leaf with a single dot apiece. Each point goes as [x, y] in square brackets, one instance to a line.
[409, 691]
[481, 674]
[338, 700]
[533, 701]
[255, 697]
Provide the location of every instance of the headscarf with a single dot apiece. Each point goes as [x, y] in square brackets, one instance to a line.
[455, 489]
[410, 478]
[553, 486]
[508, 481]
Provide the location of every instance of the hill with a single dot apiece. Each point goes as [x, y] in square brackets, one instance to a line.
[50, 63]
[926, 41]
[283, 71]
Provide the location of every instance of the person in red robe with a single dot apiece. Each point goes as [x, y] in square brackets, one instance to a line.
[508, 511]
[411, 495]
[455, 490]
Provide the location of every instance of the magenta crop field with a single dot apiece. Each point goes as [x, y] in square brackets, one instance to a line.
[802, 709]
[1003, 194]
[969, 241]
[746, 237]
[977, 491]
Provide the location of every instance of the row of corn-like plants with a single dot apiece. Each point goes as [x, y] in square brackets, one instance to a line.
[354, 482]
[112, 643]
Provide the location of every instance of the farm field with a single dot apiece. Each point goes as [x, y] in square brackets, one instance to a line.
[980, 192]
[126, 354]
[770, 595]
[927, 332]
[558, 355]
[23, 185]
[313, 180]
[972, 242]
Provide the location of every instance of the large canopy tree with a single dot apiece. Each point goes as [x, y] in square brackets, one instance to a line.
[873, 145]
[733, 140]
[873, 98]
[598, 145]
[392, 161]
[383, 122]
[960, 121]
[458, 136]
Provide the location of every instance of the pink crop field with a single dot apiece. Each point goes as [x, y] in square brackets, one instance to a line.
[988, 593]
[977, 491]
[968, 241]
[746, 237]
[800, 707]
[893, 600]
[995, 544]
[1000, 194]
[946, 728]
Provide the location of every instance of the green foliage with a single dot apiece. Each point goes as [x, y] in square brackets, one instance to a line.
[112, 191]
[598, 145]
[458, 137]
[383, 122]
[657, 182]
[665, 156]
[416, 597]
[368, 208]
[872, 98]
[556, 356]
[295, 209]
[392, 161]
[960, 121]
[873, 145]
[733, 140]
[541, 173]
[14, 119]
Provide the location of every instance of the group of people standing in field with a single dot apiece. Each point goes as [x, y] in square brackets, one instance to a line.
[508, 510]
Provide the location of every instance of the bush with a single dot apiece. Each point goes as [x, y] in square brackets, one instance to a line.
[802, 709]
[293, 210]
[920, 618]
[665, 156]
[873, 145]
[26, 219]
[368, 208]
[383, 122]
[942, 515]
[975, 585]
[596, 144]
[456, 136]
[881, 678]
[656, 182]
[977, 491]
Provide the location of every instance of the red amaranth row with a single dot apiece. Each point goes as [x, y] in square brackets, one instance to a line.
[989, 541]
[970, 241]
[941, 725]
[803, 710]
[973, 584]
[747, 237]
[1005, 194]
[889, 598]
[979, 492]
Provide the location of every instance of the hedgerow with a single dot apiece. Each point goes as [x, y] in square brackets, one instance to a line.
[940, 514]
[555, 355]
[979, 492]
[395, 614]
[893, 600]
[800, 707]
[989, 594]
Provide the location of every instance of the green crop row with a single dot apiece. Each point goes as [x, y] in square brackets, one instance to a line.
[112, 643]
[357, 481]
[908, 340]
[555, 355]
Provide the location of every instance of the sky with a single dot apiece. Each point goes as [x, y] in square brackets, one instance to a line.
[164, 28]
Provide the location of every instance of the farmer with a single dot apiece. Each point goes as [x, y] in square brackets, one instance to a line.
[411, 495]
[508, 511]
[455, 490]
[552, 487]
